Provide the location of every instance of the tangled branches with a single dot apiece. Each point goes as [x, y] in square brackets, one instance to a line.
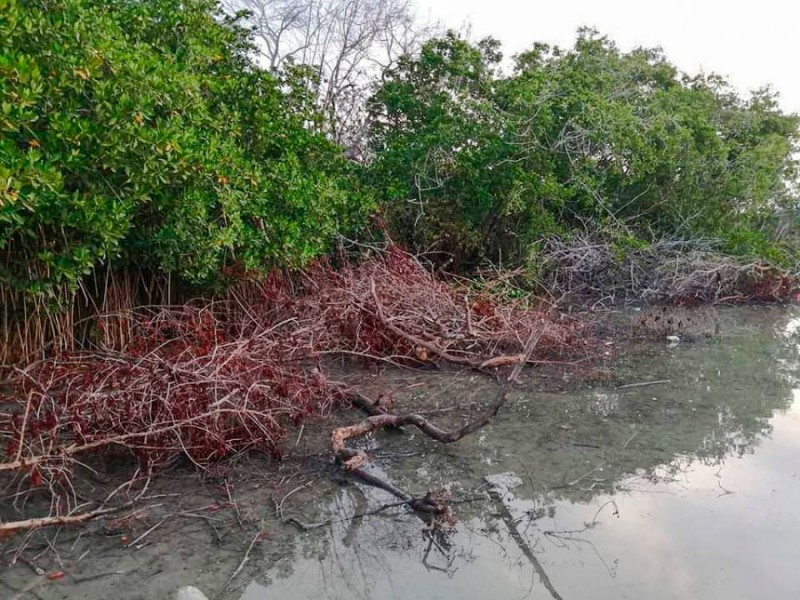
[392, 308]
[684, 273]
[234, 376]
[182, 388]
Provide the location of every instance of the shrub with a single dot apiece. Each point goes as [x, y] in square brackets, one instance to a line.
[484, 164]
[141, 132]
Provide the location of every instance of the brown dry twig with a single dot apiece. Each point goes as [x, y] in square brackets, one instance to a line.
[353, 460]
[212, 381]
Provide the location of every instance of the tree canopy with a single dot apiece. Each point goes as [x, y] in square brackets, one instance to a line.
[141, 131]
[147, 133]
[484, 163]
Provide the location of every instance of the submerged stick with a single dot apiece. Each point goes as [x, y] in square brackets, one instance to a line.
[353, 460]
[508, 519]
[241, 564]
[628, 386]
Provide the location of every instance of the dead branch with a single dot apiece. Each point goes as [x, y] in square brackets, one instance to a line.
[54, 521]
[417, 341]
[353, 460]
[680, 272]
[207, 382]
[10, 527]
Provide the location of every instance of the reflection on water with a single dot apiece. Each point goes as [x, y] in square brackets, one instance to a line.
[681, 490]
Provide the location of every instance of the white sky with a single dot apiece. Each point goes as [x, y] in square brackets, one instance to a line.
[751, 43]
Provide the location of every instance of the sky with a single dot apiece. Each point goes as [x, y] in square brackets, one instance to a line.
[751, 43]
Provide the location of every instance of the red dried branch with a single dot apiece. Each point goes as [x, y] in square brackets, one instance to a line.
[213, 381]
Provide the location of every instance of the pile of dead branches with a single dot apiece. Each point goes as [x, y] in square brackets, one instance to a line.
[679, 272]
[182, 389]
[207, 382]
[391, 308]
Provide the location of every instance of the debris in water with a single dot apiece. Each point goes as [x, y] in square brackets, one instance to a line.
[502, 483]
[190, 593]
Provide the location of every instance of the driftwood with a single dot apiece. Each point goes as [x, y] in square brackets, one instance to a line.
[353, 460]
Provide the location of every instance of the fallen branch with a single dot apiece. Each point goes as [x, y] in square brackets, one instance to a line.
[207, 382]
[241, 564]
[417, 341]
[38, 523]
[11, 527]
[353, 460]
[628, 386]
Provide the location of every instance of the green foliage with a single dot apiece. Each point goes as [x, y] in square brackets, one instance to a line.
[484, 164]
[140, 131]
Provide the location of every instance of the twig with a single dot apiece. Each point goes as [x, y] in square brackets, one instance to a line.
[630, 439]
[241, 564]
[233, 503]
[279, 506]
[40, 522]
[37, 523]
[582, 477]
[311, 526]
[148, 532]
[643, 384]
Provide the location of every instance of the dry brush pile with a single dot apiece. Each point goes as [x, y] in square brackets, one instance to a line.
[678, 272]
[235, 375]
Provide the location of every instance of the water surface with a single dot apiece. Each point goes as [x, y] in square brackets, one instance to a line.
[688, 489]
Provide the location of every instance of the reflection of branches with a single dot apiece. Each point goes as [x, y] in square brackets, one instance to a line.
[561, 538]
[523, 544]
[443, 550]
[434, 504]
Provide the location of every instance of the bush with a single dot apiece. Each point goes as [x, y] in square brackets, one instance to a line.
[484, 164]
[140, 132]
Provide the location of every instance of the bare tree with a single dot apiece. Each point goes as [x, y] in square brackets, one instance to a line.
[348, 43]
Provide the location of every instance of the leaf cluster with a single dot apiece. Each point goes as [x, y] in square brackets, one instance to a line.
[142, 132]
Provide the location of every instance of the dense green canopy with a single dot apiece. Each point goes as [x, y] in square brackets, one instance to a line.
[143, 132]
[140, 131]
[487, 164]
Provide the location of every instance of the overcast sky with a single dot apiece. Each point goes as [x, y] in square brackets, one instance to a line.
[752, 43]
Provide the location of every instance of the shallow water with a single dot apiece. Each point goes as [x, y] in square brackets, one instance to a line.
[686, 489]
